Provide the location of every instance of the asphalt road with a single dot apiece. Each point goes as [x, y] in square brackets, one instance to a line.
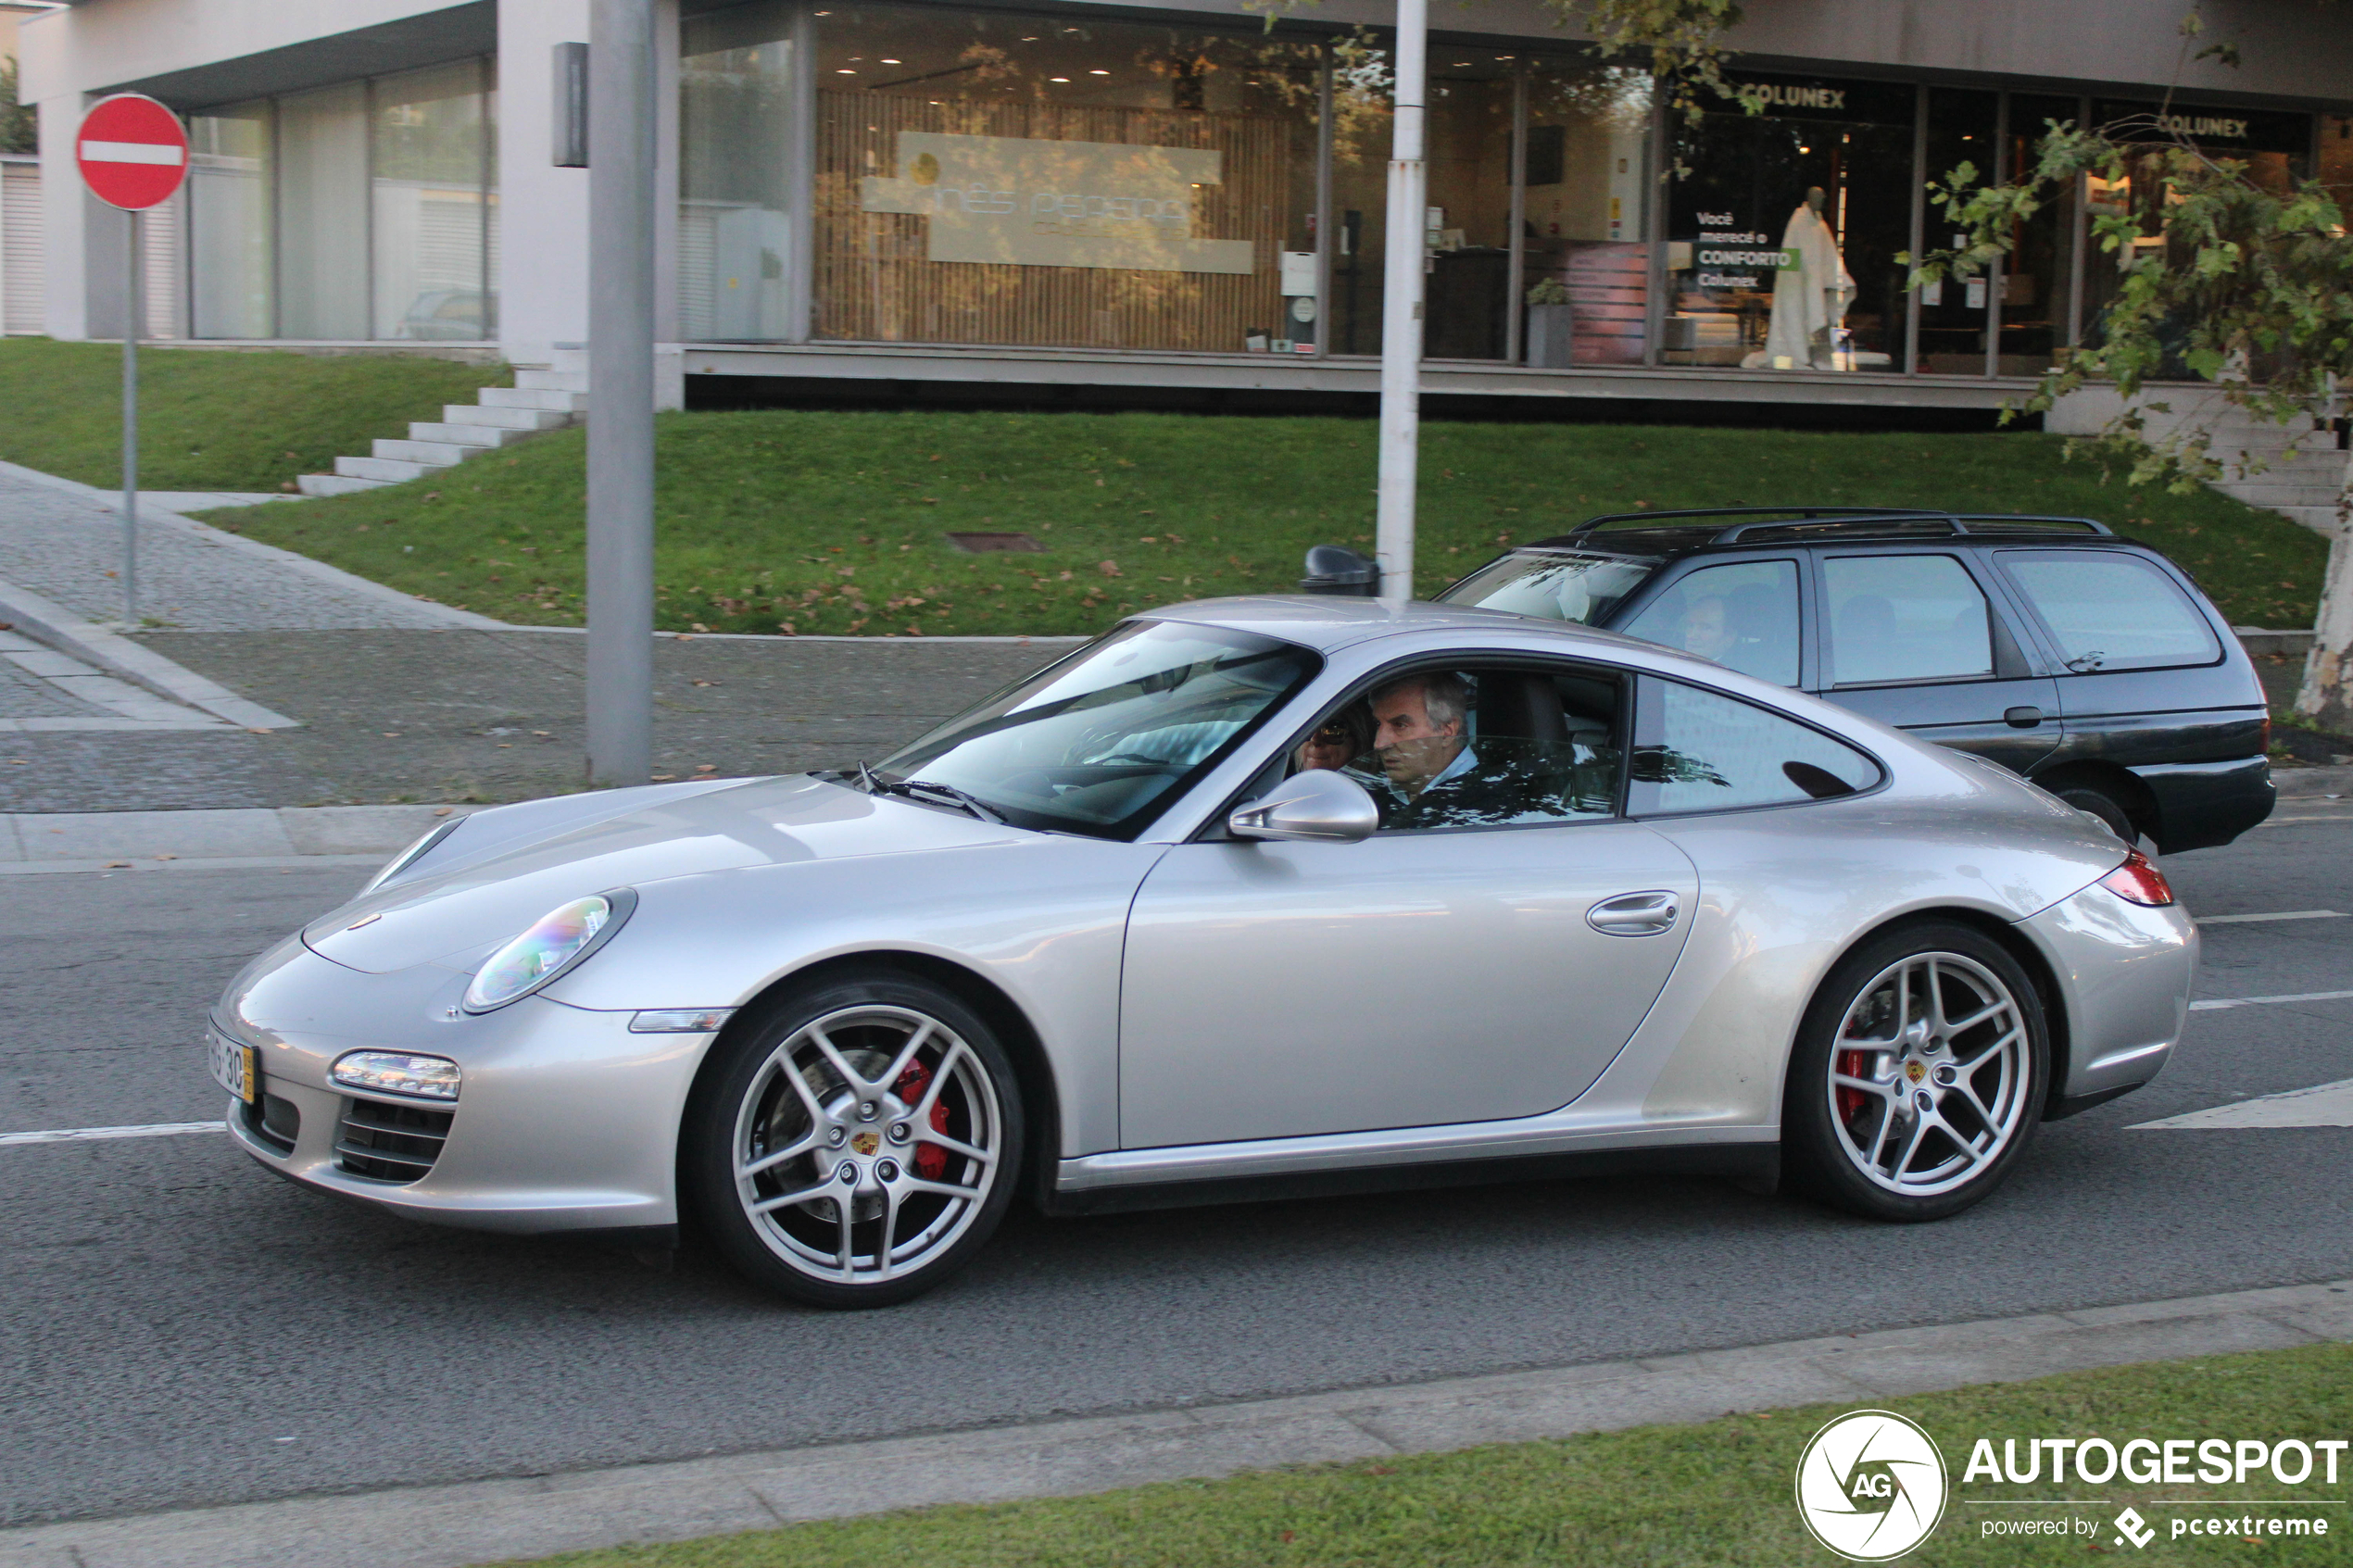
[177, 1327]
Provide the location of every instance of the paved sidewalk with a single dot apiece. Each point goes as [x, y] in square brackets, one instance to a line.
[63, 541]
[87, 841]
[450, 1527]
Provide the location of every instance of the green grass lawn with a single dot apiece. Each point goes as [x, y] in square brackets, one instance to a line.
[1675, 1497]
[837, 523]
[214, 420]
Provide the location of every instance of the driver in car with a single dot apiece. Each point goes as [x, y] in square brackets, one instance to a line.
[1431, 775]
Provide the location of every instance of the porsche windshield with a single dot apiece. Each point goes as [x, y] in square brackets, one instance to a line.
[1101, 741]
[1556, 584]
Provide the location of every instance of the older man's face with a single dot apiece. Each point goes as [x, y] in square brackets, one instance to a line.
[1413, 750]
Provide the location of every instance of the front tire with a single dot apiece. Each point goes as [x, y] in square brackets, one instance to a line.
[1918, 1076]
[857, 1143]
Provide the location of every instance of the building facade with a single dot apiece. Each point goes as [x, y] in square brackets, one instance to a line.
[1140, 199]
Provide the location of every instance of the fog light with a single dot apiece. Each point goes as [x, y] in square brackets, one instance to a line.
[398, 1073]
[680, 1020]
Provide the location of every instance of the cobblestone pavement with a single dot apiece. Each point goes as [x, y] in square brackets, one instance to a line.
[24, 695]
[67, 547]
[457, 715]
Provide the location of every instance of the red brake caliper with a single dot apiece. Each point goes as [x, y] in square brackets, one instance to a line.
[931, 1160]
[1850, 1100]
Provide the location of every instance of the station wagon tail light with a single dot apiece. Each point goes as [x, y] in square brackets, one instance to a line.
[556, 942]
[2138, 880]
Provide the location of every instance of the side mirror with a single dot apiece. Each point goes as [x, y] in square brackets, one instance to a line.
[1319, 806]
[1335, 568]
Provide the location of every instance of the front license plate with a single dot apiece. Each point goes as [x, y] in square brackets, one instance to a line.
[235, 1067]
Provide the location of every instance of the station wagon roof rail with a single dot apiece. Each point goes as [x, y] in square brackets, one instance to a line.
[1816, 520]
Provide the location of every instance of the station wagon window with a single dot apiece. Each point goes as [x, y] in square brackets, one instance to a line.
[2111, 611]
[1697, 750]
[1555, 584]
[1904, 618]
[1098, 743]
[1741, 614]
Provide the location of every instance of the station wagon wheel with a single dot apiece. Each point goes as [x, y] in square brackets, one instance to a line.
[855, 1147]
[1918, 1076]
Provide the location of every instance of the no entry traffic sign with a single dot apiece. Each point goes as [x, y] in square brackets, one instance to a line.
[132, 152]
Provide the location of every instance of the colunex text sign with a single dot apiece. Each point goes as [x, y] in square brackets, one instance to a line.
[1012, 200]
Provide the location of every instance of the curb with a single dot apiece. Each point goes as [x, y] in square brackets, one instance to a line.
[453, 1525]
[111, 651]
[2299, 783]
[36, 842]
[319, 571]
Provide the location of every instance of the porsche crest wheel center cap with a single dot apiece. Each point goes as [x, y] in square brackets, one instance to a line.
[865, 1143]
[1915, 1070]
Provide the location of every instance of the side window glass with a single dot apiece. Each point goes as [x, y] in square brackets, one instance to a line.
[1698, 750]
[1476, 746]
[1904, 618]
[2111, 611]
[1743, 615]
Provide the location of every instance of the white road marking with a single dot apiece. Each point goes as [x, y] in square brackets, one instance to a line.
[2323, 1105]
[2216, 1004]
[2292, 822]
[167, 155]
[90, 1134]
[2286, 914]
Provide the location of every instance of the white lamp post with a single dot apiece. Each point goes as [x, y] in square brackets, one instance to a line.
[1400, 341]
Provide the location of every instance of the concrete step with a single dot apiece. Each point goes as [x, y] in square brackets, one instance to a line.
[2320, 520]
[553, 381]
[511, 419]
[528, 398]
[433, 454]
[391, 470]
[337, 484]
[464, 433]
[2283, 496]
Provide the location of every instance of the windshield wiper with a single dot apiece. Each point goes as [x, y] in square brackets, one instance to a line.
[928, 791]
[945, 794]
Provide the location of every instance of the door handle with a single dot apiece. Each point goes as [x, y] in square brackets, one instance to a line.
[2022, 718]
[1635, 914]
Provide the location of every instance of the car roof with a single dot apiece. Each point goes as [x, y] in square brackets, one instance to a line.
[1329, 624]
[1690, 532]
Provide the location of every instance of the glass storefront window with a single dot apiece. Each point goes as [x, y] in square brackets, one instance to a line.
[365, 209]
[736, 249]
[1586, 214]
[1783, 238]
[2275, 147]
[432, 209]
[1962, 127]
[2336, 157]
[991, 177]
[323, 213]
[229, 186]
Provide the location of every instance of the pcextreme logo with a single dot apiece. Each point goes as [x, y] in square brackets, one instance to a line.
[1870, 1486]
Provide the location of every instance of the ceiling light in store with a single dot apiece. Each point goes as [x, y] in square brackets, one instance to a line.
[1058, 78]
[1098, 73]
[1031, 39]
[1462, 65]
[1805, 149]
[891, 62]
[844, 70]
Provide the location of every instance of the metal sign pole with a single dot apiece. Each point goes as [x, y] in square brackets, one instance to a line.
[1400, 341]
[620, 398]
[134, 298]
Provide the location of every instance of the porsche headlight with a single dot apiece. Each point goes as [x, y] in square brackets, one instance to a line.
[556, 942]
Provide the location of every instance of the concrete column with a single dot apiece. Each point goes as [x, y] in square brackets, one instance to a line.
[543, 211]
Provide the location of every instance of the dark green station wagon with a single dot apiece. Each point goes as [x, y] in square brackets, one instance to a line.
[2088, 663]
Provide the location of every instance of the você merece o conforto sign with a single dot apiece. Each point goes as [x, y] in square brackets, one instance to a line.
[132, 151]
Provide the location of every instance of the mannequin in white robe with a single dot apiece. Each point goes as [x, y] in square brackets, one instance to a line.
[1809, 298]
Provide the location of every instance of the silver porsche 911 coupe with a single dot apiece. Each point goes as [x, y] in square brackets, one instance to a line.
[1249, 897]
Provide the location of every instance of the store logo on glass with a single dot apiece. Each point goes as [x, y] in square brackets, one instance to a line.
[1870, 1486]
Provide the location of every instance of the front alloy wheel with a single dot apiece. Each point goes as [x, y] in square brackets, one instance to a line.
[1911, 1100]
[859, 1147]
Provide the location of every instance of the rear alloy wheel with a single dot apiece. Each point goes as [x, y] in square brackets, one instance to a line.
[1920, 1074]
[859, 1146]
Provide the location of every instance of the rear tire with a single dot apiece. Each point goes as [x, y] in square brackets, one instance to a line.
[1918, 1076]
[855, 1143]
[2093, 803]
